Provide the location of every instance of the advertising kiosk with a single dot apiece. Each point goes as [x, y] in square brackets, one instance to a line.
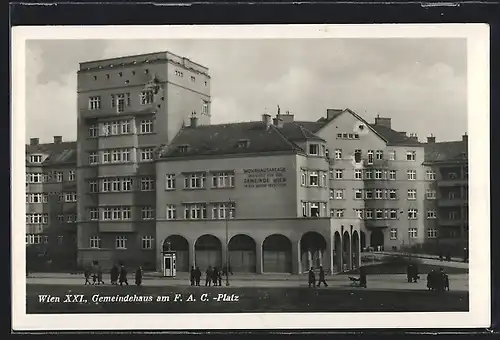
[169, 264]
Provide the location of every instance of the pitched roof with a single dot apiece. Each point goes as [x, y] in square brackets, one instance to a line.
[225, 139]
[446, 151]
[394, 137]
[58, 153]
[297, 132]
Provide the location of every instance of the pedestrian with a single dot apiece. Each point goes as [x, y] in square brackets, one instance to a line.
[192, 275]
[215, 275]
[219, 277]
[441, 280]
[123, 276]
[312, 278]
[362, 276]
[86, 274]
[322, 277]
[197, 275]
[94, 272]
[409, 272]
[448, 257]
[99, 275]
[138, 276]
[431, 278]
[440, 256]
[415, 273]
[208, 276]
[114, 274]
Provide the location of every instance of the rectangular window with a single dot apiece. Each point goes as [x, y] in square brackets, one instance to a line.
[106, 185]
[36, 159]
[412, 214]
[339, 194]
[125, 127]
[359, 213]
[70, 197]
[411, 175]
[394, 234]
[93, 157]
[412, 194]
[171, 212]
[430, 194]
[369, 194]
[358, 174]
[121, 242]
[314, 149]
[393, 214]
[370, 156]
[224, 210]
[379, 154]
[358, 156]
[146, 97]
[368, 174]
[358, 194]
[147, 184]
[411, 155]
[378, 174]
[93, 131]
[313, 179]
[107, 214]
[126, 213]
[59, 176]
[125, 155]
[379, 214]
[392, 194]
[195, 181]
[95, 242]
[204, 108]
[430, 175]
[116, 156]
[431, 233]
[392, 155]
[106, 129]
[115, 128]
[379, 194]
[412, 233]
[223, 180]
[338, 153]
[93, 214]
[195, 211]
[126, 184]
[115, 185]
[120, 103]
[147, 154]
[71, 175]
[314, 209]
[94, 103]
[170, 181]
[339, 213]
[369, 214]
[147, 242]
[303, 178]
[431, 214]
[106, 156]
[147, 126]
[147, 213]
[339, 174]
[392, 174]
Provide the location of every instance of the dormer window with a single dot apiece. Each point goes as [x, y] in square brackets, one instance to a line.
[35, 158]
[314, 149]
[183, 148]
[243, 143]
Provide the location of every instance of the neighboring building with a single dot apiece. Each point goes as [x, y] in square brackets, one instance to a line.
[447, 195]
[376, 176]
[259, 190]
[51, 197]
[127, 109]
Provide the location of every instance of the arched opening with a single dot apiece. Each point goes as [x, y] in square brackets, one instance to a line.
[347, 257]
[208, 252]
[337, 252]
[242, 254]
[363, 240]
[355, 250]
[312, 248]
[377, 239]
[180, 245]
[277, 254]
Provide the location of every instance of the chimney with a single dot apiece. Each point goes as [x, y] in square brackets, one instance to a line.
[332, 113]
[34, 141]
[266, 119]
[286, 118]
[431, 139]
[194, 122]
[465, 138]
[278, 122]
[380, 121]
[57, 139]
[402, 133]
[414, 136]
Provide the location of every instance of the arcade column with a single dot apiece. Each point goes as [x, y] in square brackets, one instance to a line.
[296, 262]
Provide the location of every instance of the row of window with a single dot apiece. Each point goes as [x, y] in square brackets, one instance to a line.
[37, 218]
[381, 214]
[314, 209]
[58, 176]
[121, 184]
[120, 127]
[37, 159]
[313, 178]
[119, 213]
[44, 197]
[119, 156]
[412, 233]
[360, 174]
[120, 74]
[373, 154]
[147, 242]
[379, 194]
[197, 180]
[41, 239]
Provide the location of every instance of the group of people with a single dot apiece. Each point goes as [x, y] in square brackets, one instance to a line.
[438, 281]
[213, 275]
[118, 276]
[412, 273]
[321, 278]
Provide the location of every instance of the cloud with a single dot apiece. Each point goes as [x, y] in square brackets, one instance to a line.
[414, 81]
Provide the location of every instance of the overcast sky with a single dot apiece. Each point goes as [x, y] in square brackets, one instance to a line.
[420, 83]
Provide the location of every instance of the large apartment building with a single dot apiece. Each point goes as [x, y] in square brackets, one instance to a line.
[128, 109]
[51, 196]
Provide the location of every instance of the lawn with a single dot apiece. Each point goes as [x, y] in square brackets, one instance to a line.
[250, 300]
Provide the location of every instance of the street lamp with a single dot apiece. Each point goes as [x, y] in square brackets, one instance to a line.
[228, 212]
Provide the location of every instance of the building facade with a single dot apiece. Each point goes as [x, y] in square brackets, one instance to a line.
[128, 108]
[51, 204]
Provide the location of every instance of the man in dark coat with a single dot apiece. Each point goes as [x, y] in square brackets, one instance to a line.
[312, 278]
[215, 276]
[99, 274]
[86, 274]
[208, 276]
[431, 280]
[362, 276]
[123, 276]
[114, 274]
[409, 272]
[138, 276]
[197, 276]
[415, 276]
[322, 277]
[192, 275]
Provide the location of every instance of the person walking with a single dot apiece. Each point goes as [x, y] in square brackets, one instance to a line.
[192, 274]
[99, 274]
[362, 277]
[312, 278]
[322, 277]
[208, 276]
[86, 274]
[113, 274]
[197, 276]
[123, 276]
[138, 276]
[215, 276]
[409, 272]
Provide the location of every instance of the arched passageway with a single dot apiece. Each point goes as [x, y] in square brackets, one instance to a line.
[355, 249]
[363, 240]
[376, 239]
[277, 254]
[180, 245]
[337, 252]
[347, 257]
[208, 252]
[242, 254]
[312, 249]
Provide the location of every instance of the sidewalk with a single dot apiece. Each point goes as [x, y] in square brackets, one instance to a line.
[427, 259]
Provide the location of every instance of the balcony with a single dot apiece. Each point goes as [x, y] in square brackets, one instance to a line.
[446, 202]
[117, 227]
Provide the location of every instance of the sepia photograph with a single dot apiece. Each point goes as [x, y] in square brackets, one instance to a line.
[277, 176]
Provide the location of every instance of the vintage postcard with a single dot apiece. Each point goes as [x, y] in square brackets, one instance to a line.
[259, 177]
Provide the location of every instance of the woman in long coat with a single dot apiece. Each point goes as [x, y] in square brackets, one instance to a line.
[138, 276]
[114, 274]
